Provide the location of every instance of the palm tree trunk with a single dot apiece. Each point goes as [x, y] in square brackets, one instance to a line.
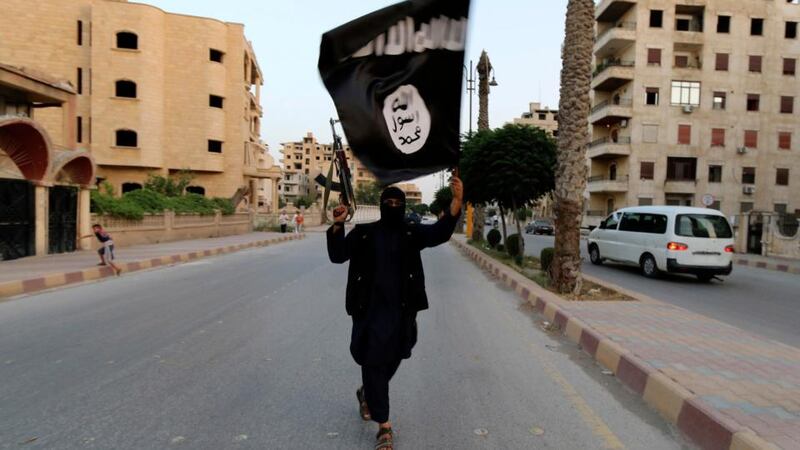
[573, 137]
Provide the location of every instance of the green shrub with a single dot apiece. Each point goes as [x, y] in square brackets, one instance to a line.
[494, 237]
[192, 204]
[500, 248]
[546, 258]
[225, 205]
[133, 205]
[514, 245]
[149, 201]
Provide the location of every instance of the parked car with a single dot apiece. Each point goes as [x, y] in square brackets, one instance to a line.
[413, 218]
[671, 239]
[539, 227]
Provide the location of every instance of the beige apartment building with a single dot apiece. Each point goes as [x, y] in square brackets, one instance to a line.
[695, 103]
[156, 92]
[304, 160]
[544, 118]
[412, 191]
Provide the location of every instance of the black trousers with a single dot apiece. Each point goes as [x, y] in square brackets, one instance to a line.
[376, 389]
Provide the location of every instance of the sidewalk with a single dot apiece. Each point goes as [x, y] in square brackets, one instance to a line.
[27, 275]
[724, 389]
[767, 262]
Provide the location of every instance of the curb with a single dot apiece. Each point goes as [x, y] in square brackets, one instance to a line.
[702, 425]
[786, 268]
[14, 288]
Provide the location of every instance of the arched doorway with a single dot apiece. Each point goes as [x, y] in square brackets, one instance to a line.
[199, 190]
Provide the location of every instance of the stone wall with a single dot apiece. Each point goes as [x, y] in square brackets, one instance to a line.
[168, 227]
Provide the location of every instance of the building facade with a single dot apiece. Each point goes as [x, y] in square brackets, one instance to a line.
[156, 92]
[413, 193]
[304, 160]
[544, 118]
[695, 103]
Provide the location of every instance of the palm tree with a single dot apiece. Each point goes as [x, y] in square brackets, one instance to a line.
[573, 137]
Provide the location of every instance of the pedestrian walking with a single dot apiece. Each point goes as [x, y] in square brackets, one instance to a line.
[299, 221]
[106, 250]
[283, 220]
[385, 290]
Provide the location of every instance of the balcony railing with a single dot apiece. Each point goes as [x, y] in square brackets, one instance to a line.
[622, 102]
[608, 64]
[617, 26]
[599, 178]
[621, 140]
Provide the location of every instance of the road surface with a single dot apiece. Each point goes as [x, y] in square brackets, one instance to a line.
[250, 351]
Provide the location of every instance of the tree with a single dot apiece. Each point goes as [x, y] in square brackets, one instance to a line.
[420, 209]
[573, 137]
[172, 186]
[511, 166]
[441, 200]
[368, 193]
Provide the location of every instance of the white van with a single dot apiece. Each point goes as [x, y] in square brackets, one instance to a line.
[672, 239]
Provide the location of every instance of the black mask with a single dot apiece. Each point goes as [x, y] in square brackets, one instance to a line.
[393, 215]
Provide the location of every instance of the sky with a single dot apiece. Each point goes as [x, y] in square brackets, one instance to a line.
[522, 37]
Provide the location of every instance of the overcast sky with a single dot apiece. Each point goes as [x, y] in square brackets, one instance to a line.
[523, 39]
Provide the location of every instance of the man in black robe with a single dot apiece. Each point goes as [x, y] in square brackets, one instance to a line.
[385, 290]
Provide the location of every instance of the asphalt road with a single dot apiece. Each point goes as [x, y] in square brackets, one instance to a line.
[764, 302]
[249, 350]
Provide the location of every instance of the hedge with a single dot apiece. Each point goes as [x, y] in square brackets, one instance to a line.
[134, 205]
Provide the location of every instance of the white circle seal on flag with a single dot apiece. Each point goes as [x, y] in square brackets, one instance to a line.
[407, 118]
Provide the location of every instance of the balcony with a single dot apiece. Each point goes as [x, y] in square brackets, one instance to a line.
[612, 10]
[601, 183]
[611, 75]
[606, 147]
[610, 112]
[613, 40]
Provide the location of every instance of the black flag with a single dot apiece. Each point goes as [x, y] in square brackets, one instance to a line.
[395, 77]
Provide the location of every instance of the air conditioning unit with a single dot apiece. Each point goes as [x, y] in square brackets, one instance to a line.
[688, 109]
[749, 190]
[623, 123]
[741, 150]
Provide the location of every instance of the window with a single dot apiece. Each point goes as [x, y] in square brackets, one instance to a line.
[130, 187]
[753, 101]
[682, 23]
[716, 204]
[745, 207]
[751, 138]
[789, 66]
[756, 27]
[651, 96]
[714, 174]
[214, 146]
[656, 18]
[755, 63]
[653, 56]
[723, 24]
[79, 81]
[644, 223]
[647, 170]
[787, 104]
[215, 101]
[645, 201]
[784, 140]
[782, 177]
[686, 93]
[681, 169]
[722, 62]
[718, 137]
[125, 88]
[215, 55]
[780, 208]
[684, 134]
[791, 30]
[681, 61]
[80, 32]
[542, 116]
[719, 100]
[199, 190]
[748, 175]
[126, 138]
[127, 40]
[650, 134]
[610, 223]
[79, 129]
[702, 226]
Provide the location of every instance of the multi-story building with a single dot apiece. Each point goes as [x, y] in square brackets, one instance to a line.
[544, 118]
[413, 193]
[303, 161]
[156, 92]
[695, 103]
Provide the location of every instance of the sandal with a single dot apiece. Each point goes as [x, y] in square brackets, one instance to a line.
[385, 441]
[363, 409]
